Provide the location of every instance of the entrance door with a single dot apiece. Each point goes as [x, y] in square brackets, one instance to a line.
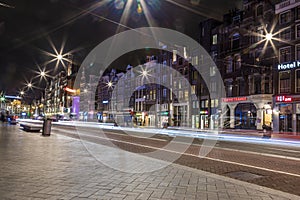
[298, 122]
[203, 121]
[285, 123]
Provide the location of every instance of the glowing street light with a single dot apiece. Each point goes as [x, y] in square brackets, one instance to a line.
[269, 36]
[59, 57]
[109, 84]
[144, 73]
[43, 74]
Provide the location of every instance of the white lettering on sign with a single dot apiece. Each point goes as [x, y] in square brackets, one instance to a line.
[291, 65]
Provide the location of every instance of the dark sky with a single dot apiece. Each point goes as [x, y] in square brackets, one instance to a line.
[28, 25]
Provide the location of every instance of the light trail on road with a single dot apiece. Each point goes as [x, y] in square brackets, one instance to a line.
[86, 134]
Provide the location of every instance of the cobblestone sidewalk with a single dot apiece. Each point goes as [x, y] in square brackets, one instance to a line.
[59, 167]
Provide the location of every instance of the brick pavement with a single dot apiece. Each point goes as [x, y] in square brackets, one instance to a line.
[59, 167]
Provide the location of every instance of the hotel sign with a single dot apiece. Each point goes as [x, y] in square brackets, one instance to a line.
[290, 65]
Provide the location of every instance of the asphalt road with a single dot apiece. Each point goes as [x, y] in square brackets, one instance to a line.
[266, 163]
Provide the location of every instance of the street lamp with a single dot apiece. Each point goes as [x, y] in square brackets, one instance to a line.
[269, 36]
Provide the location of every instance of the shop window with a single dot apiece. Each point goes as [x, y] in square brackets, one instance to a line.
[285, 17]
[284, 54]
[284, 82]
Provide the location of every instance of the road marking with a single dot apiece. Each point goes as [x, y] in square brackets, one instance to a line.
[188, 154]
[224, 148]
[287, 150]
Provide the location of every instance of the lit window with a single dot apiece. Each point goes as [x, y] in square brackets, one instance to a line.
[215, 39]
[174, 55]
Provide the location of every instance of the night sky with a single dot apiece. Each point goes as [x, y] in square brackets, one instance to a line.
[28, 26]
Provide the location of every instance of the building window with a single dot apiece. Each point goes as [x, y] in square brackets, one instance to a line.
[195, 60]
[285, 17]
[297, 52]
[235, 41]
[284, 82]
[297, 81]
[164, 92]
[213, 70]
[213, 86]
[193, 89]
[297, 13]
[260, 33]
[180, 94]
[214, 56]
[195, 75]
[215, 39]
[286, 34]
[298, 31]
[186, 95]
[174, 56]
[284, 54]
[267, 85]
[228, 65]
[237, 62]
[228, 87]
[241, 87]
[257, 85]
[259, 10]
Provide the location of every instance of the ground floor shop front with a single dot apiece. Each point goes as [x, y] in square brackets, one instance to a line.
[247, 112]
[286, 114]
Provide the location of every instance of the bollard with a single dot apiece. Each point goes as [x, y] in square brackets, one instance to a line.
[47, 127]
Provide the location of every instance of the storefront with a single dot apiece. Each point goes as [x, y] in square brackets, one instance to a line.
[247, 112]
[204, 119]
[245, 116]
[286, 114]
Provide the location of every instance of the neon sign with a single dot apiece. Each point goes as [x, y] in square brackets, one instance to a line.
[290, 65]
[234, 99]
[283, 99]
[70, 90]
